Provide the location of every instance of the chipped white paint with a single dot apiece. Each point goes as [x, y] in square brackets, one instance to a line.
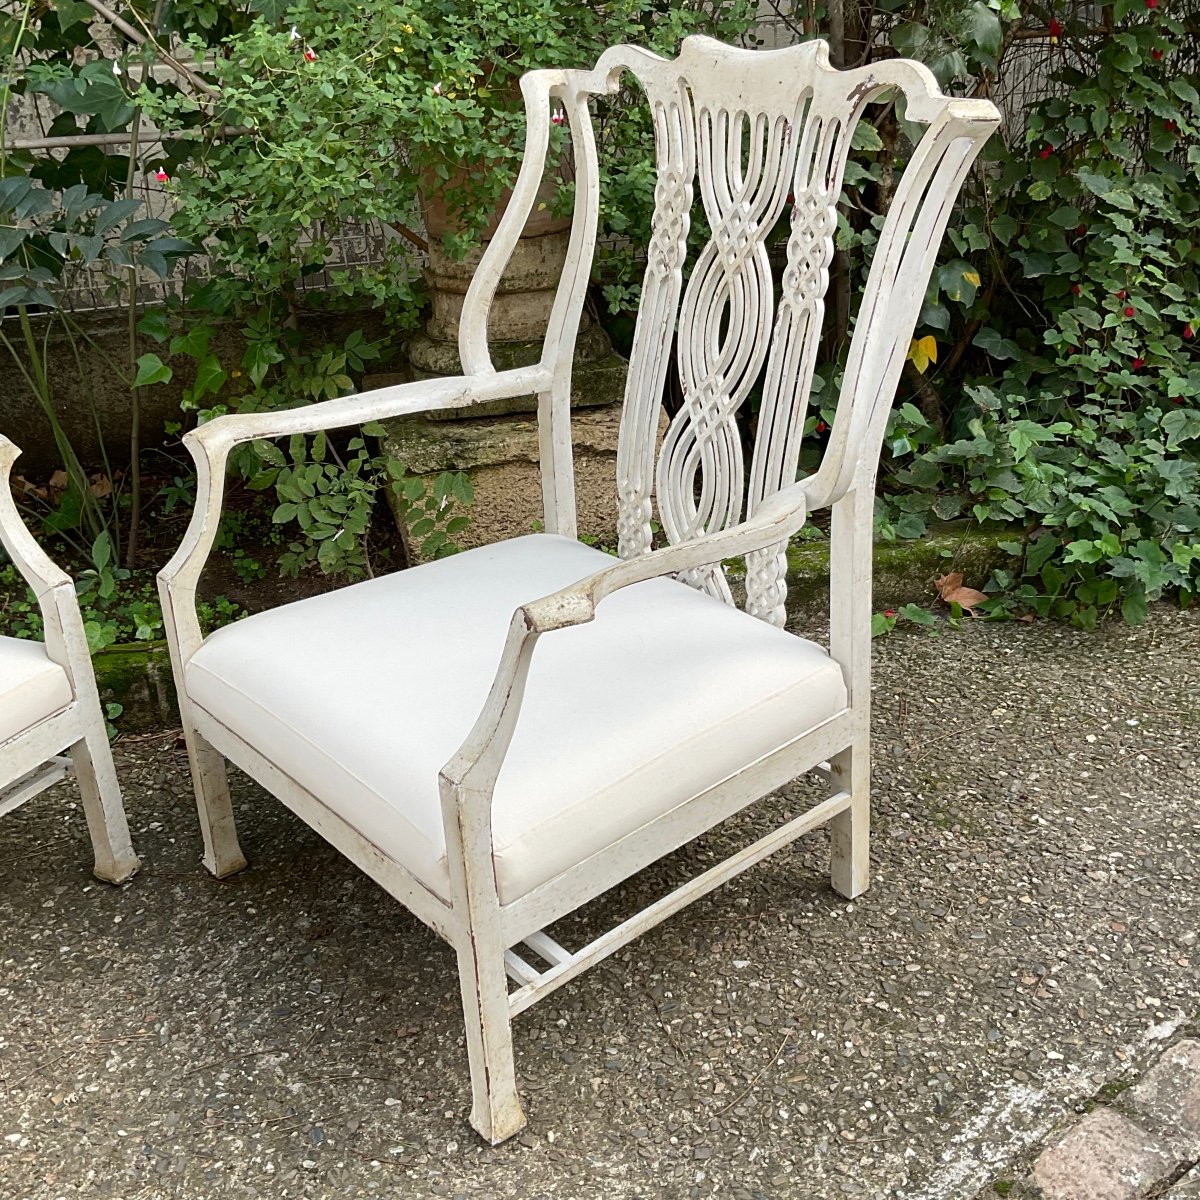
[749, 129]
[32, 759]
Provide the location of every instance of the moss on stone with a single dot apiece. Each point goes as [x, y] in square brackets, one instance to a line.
[904, 570]
[138, 677]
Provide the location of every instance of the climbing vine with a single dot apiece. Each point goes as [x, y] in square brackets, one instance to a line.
[1053, 388]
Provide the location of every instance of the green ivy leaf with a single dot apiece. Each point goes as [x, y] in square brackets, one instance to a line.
[150, 370]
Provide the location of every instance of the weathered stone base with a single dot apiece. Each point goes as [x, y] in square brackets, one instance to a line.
[501, 456]
[598, 375]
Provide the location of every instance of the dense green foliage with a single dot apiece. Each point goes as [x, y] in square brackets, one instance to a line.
[1053, 388]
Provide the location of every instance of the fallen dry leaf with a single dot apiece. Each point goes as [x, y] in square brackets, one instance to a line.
[966, 598]
[947, 583]
[950, 589]
[101, 486]
[23, 487]
[59, 481]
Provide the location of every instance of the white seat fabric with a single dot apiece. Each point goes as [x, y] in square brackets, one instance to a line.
[363, 694]
[32, 687]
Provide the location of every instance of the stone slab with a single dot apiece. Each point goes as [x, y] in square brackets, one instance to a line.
[1104, 1157]
[597, 374]
[1168, 1095]
[501, 456]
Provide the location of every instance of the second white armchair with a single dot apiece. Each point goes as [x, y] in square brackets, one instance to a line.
[51, 721]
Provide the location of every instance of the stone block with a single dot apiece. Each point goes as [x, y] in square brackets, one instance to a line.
[501, 456]
[597, 374]
[1104, 1157]
[521, 306]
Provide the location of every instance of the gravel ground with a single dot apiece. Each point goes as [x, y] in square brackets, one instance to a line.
[1030, 937]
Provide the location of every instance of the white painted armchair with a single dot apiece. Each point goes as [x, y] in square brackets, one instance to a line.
[408, 719]
[51, 722]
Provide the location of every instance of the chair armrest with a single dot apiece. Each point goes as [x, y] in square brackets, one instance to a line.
[211, 443]
[470, 775]
[776, 519]
[218, 436]
[62, 623]
[35, 566]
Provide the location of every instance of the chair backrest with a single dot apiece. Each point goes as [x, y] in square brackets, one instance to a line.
[758, 133]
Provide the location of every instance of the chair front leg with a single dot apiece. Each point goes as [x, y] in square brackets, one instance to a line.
[222, 854]
[479, 941]
[101, 795]
[495, 1104]
[850, 830]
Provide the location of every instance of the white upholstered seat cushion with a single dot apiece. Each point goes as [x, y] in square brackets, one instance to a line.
[362, 695]
[32, 687]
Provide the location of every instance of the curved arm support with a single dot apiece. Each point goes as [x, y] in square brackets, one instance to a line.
[775, 520]
[471, 774]
[33, 563]
[901, 265]
[62, 624]
[472, 336]
[210, 445]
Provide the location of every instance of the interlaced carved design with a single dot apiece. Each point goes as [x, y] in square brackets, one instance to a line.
[723, 325]
[794, 345]
[755, 134]
[676, 162]
[746, 161]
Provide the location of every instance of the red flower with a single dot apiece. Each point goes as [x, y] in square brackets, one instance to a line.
[821, 427]
[1189, 332]
[1121, 294]
[1055, 28]
[1138, 363]
[1080, 230]
[1170, 127]
[161, 175]
[1128, 310]
[1156, 54]
[1076, 289]
[1046, 151]
[1176, 399]
[310, 56]
[558, 117]
[1151, 3]
[889, 612]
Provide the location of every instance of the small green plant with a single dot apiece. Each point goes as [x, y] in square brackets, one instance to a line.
[885, 622]
[104, 574]
[433, 511]
[112, 712]
[128, 614]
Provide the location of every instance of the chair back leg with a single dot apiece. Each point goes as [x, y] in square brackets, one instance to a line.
[101, 795]
[222, 854]
[850, 830]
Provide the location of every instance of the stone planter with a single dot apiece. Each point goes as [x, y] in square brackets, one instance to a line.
[496, 444]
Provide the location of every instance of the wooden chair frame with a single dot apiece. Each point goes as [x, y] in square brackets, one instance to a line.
[484, 931]
[74, 739]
